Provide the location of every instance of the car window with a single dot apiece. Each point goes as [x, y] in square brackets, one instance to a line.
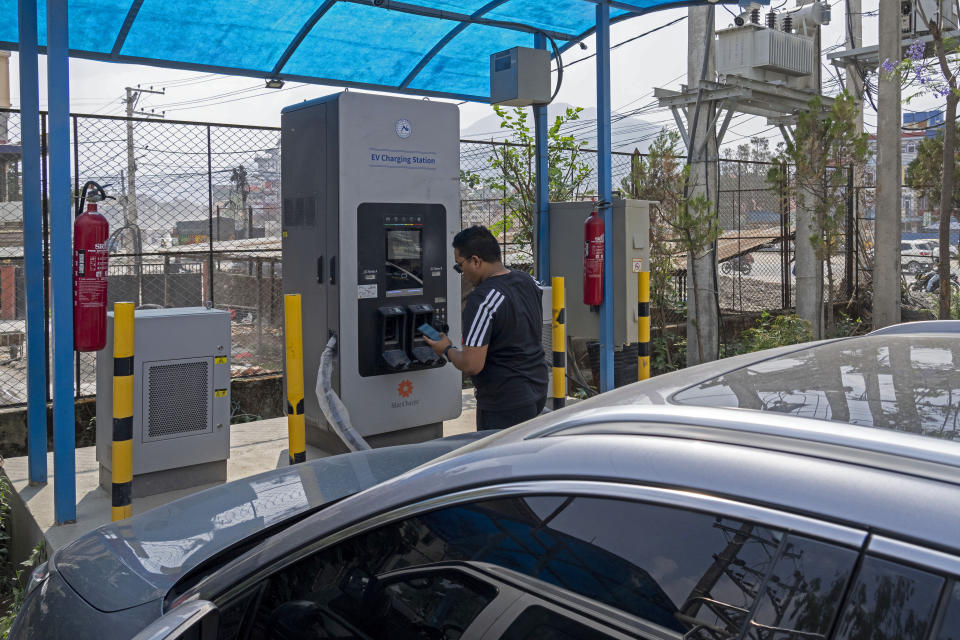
[950, 625]
[668, 572]
[890, 601]
[804, 591]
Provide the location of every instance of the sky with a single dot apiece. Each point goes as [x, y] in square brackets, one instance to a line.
[655, 60]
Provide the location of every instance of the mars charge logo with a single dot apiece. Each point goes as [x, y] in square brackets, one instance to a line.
[405, 388]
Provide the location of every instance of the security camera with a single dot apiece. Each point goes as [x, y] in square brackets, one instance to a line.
[738, 21]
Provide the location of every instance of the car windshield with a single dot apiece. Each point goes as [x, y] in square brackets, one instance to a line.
[902, 383]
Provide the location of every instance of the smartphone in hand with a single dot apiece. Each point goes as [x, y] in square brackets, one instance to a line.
[429, 331]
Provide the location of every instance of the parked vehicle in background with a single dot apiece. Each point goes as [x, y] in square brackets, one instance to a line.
[929, 281]
[742, 263]
[935, 245]
[916, 255]
[806, 492]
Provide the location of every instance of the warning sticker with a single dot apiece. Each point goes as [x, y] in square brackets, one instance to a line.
[220, 393]
[220, 360]
[366, 291]
[637, 265]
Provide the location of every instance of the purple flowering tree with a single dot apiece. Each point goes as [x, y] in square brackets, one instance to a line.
[932, 70]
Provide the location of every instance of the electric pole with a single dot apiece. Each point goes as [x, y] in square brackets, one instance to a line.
[703, 321]
[130, 203]
[886, 263]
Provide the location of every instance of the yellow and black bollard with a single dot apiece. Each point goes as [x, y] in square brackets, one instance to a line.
[559, 340]
[643, 325]
[293, 332]
[122, 410]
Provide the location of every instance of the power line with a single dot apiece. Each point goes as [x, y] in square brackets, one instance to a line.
[620, 44]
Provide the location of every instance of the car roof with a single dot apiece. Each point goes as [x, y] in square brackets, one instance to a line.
[763, 473]
[885, 482]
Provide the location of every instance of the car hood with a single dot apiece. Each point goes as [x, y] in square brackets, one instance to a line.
[133, 561]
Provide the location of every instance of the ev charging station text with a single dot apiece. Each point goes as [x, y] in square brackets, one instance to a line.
[403, 159]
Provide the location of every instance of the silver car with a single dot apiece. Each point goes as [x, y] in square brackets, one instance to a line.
[807, 492]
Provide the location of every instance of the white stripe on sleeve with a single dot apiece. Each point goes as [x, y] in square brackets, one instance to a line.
[486, 324]
[480, 322]
[476, 318]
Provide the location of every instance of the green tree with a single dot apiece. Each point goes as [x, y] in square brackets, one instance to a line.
[934, 70]
[925, 172]
[513, 172]
[823, 144]
[690, 222]
[659, 176]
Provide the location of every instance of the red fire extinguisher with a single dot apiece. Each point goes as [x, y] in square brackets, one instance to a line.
[593, 259]
[90, 231]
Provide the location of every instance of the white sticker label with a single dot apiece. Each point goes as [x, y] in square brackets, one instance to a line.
[366, 291]
[637, 264]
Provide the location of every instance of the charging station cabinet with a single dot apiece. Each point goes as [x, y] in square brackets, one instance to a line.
[371, 202]
[181, 399]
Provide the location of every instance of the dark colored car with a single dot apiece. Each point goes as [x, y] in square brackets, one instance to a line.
[806, 492]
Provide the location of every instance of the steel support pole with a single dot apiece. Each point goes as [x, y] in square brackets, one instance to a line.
[886, 265]
[61, 274]
[605, 189]
[33, 244]
[540, 124]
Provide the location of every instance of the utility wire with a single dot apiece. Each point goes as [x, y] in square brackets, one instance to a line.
[620, 44]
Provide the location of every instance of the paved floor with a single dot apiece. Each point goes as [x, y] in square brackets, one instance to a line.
[254, 447]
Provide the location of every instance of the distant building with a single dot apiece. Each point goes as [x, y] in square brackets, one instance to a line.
[915, 211]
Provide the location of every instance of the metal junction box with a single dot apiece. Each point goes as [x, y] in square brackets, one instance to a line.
[520, 77]
[181, 404]
[371, 202]
[631, 249]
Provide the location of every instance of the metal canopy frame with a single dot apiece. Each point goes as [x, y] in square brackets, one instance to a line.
[60, 200]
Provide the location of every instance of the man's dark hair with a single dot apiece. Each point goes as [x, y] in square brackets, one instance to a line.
[477, 241]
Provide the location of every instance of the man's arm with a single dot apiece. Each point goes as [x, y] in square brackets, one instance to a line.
[470, 360]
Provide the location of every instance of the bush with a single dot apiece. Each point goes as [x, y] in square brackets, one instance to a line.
[773, 331]
[13, 579]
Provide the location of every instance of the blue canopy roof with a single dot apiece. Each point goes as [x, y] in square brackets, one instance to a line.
[427, 47]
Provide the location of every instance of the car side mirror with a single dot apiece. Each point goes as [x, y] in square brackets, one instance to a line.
[194, 620]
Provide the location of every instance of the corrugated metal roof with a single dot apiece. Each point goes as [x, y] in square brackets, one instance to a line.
[430, 47]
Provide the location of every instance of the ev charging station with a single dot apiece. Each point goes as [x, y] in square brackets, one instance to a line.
[371, 197]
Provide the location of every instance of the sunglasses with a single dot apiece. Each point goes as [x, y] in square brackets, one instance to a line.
[458, 266]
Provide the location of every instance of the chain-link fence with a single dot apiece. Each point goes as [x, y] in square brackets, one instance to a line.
[919, 244]
[196, 218]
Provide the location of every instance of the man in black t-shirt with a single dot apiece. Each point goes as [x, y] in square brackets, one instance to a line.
[502, 349]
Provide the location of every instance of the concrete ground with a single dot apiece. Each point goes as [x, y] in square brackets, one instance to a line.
[254, 447]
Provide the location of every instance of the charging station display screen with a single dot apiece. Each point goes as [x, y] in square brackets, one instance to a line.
[404, 262]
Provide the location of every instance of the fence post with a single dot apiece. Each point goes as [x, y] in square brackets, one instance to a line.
[643, 325]
[210, 206]
[166, 280]
[559, 342]
[123, 340]
[848, 262]
[293, 335]
[259, 268]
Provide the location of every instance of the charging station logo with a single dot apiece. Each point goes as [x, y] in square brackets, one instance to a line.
[405, 388]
